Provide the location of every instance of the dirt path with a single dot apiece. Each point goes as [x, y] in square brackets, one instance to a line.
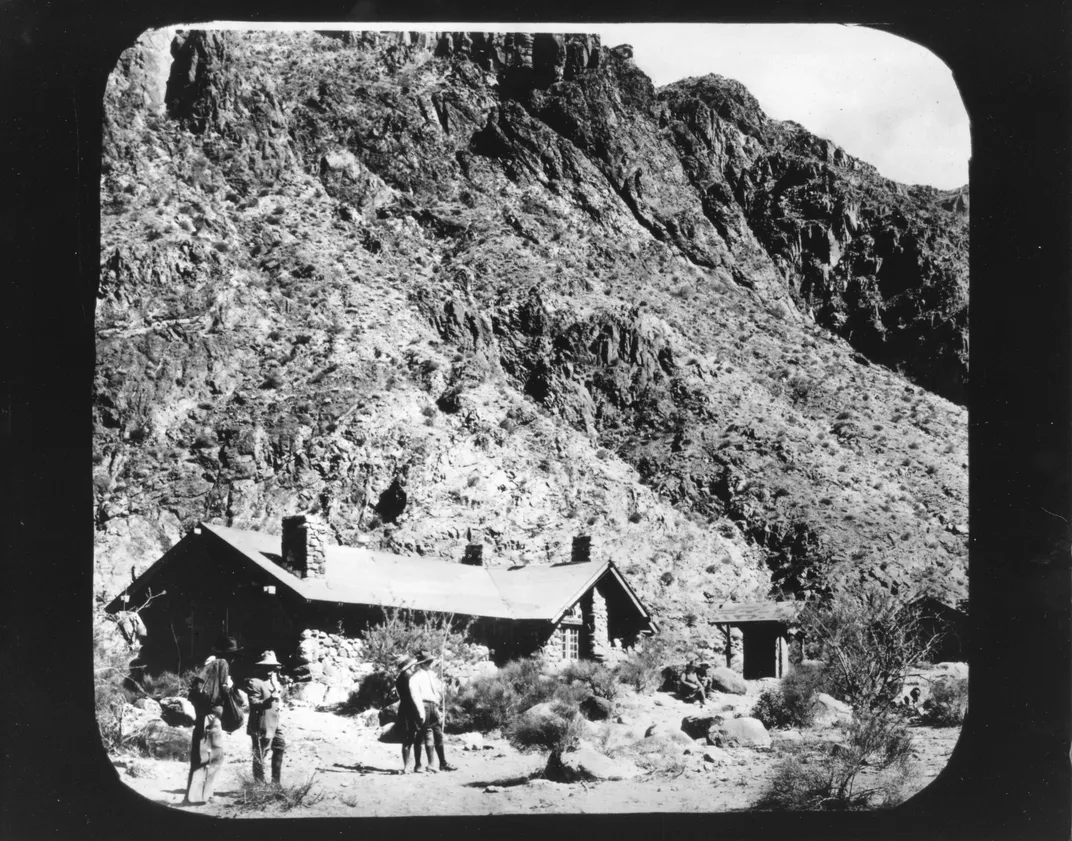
[354, 774]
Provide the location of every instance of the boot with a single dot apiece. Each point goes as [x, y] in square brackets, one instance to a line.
[277, 766]
[443, 764]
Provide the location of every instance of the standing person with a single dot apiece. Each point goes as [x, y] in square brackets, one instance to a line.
[427, 694]
[206, 746]
[407, 713]
[265, 729]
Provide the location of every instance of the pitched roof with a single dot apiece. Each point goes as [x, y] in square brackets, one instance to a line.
[733, 614]
[355, 575]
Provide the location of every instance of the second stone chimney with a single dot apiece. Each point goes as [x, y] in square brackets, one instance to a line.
[582, 549]
[305, 546]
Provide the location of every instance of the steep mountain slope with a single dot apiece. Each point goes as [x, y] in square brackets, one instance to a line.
[463, 287]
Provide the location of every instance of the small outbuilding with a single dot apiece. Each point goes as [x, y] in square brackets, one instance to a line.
[946, 622]
[757, 636]
[268, 591]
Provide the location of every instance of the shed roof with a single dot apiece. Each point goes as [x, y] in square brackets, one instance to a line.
[355, 575]
[736, 614]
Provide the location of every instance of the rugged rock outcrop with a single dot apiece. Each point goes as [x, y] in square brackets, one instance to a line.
[506, 276]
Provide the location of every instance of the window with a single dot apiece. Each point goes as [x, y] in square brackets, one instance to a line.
[571, 643]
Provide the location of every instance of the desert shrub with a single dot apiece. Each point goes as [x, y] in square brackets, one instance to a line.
[866, 643]
[258, 796]
[641, 670]
[492, 701]
[832, 778]
[167, 684]
[404, 631]
[596, 678]
[555, 733]
[947, 704]
[790, 703]
[375, 691]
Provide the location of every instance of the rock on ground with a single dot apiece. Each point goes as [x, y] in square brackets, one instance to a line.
[827, 711]
[178, 712]
[748, 732]
[587, 764]
[725, 679]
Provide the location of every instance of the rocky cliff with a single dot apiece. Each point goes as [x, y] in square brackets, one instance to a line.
[467, 287]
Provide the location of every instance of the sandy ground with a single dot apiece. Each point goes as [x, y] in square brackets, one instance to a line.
[356, 775]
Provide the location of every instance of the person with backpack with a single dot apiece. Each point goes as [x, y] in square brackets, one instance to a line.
[211, 691]
[265, 729]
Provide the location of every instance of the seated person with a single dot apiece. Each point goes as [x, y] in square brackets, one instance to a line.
[690, 687]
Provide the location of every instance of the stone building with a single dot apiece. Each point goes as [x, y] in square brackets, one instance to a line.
[756, 637]
[299, 592]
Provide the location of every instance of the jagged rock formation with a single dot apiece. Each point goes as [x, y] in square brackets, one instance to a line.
[459, 287]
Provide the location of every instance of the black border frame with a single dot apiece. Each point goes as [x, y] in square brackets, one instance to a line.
[1009, 775]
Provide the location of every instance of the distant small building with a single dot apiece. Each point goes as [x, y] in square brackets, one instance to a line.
[757, 637]
[267, 591]
[947, 622]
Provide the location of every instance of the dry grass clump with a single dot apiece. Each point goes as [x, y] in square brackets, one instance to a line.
[260, 796]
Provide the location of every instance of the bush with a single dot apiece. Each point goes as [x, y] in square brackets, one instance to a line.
[640, 670]
[948, 703]
[790, 703]
[492, 701]
[830, 779]
[259, 796]
[167, 684]
[557, 733]
[595, 677]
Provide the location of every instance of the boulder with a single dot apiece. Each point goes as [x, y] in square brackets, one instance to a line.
[725, 679]
[148, 705]
[665, 731]
[588, 765]
[471, 741]
[336, 694]
[595, 708]
[311, 693]
[747, 732]
[163, 741]
[178, 712]
[828, 711]
[698, 726]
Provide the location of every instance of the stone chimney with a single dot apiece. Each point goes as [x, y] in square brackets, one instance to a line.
[305, 545]
[582, 549]
[474, 555]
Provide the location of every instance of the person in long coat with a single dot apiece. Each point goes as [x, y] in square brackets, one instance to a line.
[206, 746]
[264, 728]
[407, 721]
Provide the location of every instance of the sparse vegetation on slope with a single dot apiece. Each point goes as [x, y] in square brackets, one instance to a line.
[336, 266]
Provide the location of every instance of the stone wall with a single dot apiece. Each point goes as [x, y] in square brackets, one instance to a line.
[600, 626]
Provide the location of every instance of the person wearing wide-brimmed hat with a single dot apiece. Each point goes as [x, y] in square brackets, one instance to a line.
[207, 696]
[264, 728]
[427, 694]
[407, 720]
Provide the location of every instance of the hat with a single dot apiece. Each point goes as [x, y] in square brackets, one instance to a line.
[424, 656]
[268, 659]
[225, 645]
[404, 662]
